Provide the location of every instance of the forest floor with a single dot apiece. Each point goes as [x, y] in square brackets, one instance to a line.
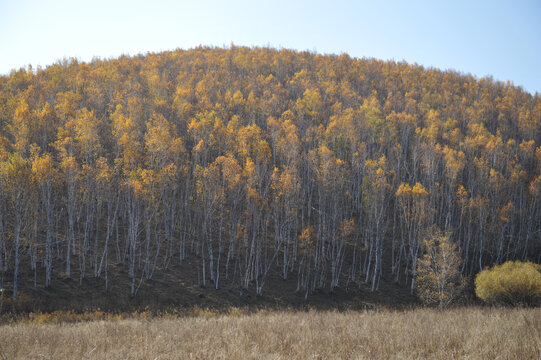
[178, 290]
[469, 332]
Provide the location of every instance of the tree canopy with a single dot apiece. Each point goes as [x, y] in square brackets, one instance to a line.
[324, 168]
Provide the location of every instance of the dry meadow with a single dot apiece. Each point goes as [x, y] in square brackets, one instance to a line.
[473, 333]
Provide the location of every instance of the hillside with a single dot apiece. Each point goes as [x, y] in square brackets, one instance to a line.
[210, 175]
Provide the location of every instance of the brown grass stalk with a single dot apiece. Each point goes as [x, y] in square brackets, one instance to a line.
[474, 333]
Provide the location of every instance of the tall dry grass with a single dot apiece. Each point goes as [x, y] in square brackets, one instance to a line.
[473, 333]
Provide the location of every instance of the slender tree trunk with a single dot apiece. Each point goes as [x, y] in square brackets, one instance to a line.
[17, 245]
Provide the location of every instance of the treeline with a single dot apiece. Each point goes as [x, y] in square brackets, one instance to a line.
[325, 169]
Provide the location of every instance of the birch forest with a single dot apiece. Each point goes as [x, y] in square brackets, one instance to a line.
[325, 170]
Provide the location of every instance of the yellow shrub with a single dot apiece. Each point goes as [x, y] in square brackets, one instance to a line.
[511, 283]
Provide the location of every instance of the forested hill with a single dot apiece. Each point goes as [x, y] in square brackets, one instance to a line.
[328, 171]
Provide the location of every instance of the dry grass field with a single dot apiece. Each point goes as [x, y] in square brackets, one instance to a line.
[472, 333]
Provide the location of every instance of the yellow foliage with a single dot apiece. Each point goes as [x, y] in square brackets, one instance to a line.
[42, 167]
[86, 131]
[403, 190]
[104, 173]
[419, 190]
[406, 190]
[306, 239]
[454, 161]
[347, 228]
[16, 175]
[438, 279]
[461, 193]
[511, 283]
[506, 212]
[535, 186]
[310, 103]
[69, 164]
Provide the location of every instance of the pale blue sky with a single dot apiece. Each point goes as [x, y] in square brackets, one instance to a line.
[498, 38]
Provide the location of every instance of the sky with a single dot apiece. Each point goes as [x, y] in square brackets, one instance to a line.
[497, 38]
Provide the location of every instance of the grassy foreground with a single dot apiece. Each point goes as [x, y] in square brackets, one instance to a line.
[475, 333]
